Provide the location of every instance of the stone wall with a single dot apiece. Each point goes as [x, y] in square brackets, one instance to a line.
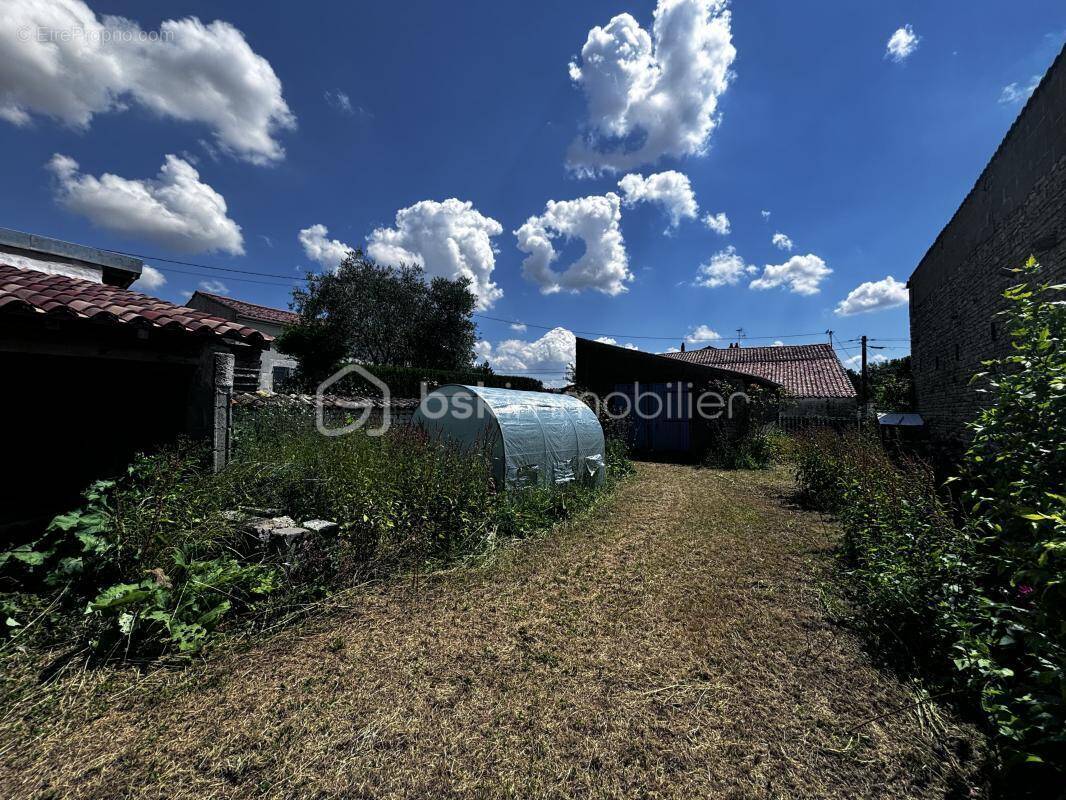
[1016, 209]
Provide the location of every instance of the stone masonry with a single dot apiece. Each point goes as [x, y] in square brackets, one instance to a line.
[1016, 209]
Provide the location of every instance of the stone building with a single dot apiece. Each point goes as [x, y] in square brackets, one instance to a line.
[815, 382]
[663, 390]
[1016, 209]
[271, 366]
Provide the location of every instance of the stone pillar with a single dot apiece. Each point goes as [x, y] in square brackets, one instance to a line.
[222, 411]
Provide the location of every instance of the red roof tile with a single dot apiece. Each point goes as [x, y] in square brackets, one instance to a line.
[255, 311]
[805, 370]
[58, 295]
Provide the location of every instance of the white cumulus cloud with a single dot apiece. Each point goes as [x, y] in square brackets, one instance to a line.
[719, 223]
[518, 327]
[725, 268]
[671, 189]
[175, 209]
[150, 280]
[611, 340]
[765, 214]
[604, 266]
[546, 358]
[1016, 93]
[451, 239]
[186, 70]
[902, 43]
[652, 95]
[855, 362]
[800, 274]
[781, 241]
[701, 334]
[319, 247]
[873, 296]
[214, 287]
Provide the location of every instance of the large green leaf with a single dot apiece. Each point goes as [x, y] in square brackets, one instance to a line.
[119, 595]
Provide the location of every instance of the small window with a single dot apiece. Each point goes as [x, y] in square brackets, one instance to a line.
[281, 377]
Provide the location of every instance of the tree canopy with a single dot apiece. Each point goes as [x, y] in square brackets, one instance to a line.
[376, 314]
[891, 384]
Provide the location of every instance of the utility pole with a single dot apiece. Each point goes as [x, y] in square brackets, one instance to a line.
[865, 380]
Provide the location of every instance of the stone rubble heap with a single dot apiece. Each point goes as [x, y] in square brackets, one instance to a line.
[273, 529]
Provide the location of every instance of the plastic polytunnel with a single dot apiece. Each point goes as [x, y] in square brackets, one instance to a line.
[533, 438]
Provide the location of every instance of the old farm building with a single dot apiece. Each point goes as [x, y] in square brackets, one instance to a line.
[95, 372]
[813, 386]
[264, 371]
[1016, 209]
[811, 374]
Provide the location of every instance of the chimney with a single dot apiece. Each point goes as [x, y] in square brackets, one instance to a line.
[682, 345]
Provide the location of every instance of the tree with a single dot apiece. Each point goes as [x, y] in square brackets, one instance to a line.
[891, 384]
[376, 314]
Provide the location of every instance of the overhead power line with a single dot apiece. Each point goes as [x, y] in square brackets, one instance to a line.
[675, 338]
[289, 280]
[204, 266]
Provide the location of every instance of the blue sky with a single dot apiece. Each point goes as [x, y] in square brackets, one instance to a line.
[342, 119]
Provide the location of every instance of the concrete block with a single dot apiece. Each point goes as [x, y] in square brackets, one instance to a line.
[321, 526]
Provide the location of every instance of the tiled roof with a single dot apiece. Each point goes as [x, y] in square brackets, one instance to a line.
[255, 311]
[57, 295]
[805, 370]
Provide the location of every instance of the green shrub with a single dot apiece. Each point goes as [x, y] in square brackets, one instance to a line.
[1014, 652]
[975, 588]
[181, 608]
[153, 561]
[905, 560]
[759, 448]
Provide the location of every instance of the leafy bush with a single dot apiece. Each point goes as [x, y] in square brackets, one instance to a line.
[976, 588]
[748, 439]
[156, 561]
[906, 562]
[181, 608]
[1014, 652]
[759, 448]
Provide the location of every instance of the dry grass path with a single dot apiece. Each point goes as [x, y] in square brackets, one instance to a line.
[672, 644]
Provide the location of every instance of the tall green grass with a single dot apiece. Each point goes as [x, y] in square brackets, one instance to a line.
[974, 588]
[156, 562]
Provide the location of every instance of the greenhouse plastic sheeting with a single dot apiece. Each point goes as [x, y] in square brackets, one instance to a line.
[534, 438]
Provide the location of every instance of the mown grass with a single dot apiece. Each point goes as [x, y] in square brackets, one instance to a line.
[670, 642]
